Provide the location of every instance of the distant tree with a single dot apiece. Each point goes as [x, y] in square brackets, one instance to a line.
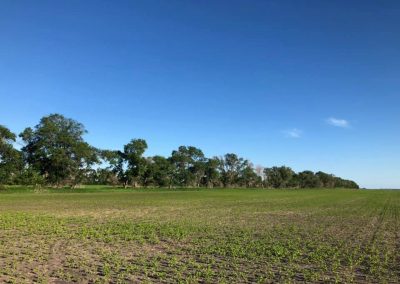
[10, 158]
[189, 165]
[55, 148]
[160, 172]
[231, 166]
[106, 176]
[136, 163]
[343, 183]
[29, 176]
[249, 178]
[212, 175]
[147, 178]
[307, 179]
[294, 181]
[279, 177]
[351, 184]
[55, 153]
[115, 166]
[327, 180]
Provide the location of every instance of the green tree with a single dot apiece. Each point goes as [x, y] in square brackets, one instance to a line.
[279, 177]
[212, 175]
[231, 167]
[136, 163]
[10, 159]
[29, 176]
[55, 148]
[343, 183]
[307, 179]
[249, 177]
[160, 172]
[327, 180]
[114, 164]
[189, 165]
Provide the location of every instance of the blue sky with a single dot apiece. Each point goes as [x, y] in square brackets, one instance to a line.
[308, 84]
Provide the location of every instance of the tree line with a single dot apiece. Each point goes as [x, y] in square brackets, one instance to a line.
[54, 153]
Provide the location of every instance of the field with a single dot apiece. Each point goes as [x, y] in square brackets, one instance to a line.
[104, 235]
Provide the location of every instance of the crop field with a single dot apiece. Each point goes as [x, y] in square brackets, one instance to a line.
[105, 235]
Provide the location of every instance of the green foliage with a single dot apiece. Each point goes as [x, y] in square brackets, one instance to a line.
[56, 154]
[159, 172]
[30, 176]
[307, 179]
[279, 177]
[249, 178]
[189, 164]
[285, 177]
[212, 175]
[55, 148]
[10, 159]
[136, 163]
[231, 167]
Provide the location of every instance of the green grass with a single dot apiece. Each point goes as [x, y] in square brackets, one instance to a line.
[106, 235]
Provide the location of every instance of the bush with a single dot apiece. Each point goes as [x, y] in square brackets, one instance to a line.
[30, 177]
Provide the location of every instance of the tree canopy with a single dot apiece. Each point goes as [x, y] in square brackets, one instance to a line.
[56, 149]
[10, 159]
[55, 153]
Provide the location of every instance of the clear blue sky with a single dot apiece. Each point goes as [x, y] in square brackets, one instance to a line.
[308, 84]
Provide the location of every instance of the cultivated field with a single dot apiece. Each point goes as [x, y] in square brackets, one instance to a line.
[188, 236]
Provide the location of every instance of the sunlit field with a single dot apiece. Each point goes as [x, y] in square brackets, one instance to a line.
[103, 235]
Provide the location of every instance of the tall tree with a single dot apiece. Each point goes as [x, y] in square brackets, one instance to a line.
[278, 177]
[159, 172]
[55, 147]
[114, 161]
[212, 175]
[307, 179]
[230, 167]
[10, 158]
[343, 183]
[189, 162]
[136, 163]
[327, 180]
[249, 177]
[56, 153]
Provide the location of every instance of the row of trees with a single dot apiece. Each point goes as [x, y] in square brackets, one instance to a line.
[54, 153]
